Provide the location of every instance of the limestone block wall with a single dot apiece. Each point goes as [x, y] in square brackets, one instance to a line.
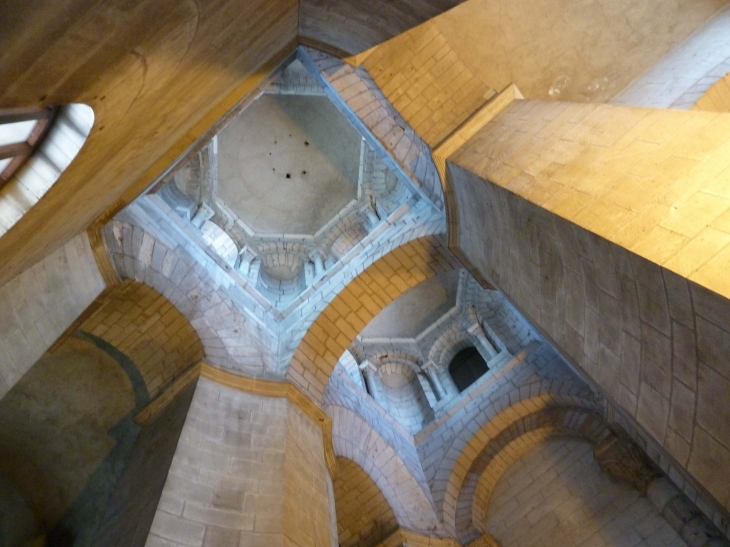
[133, 503]
[343, 393]
[557, 495]
[143, 325]
[533, 379]
[247, 469]
[37, 306]
[360, 301]
[427, 82]
[502, 318]
[404, 396]
[569, 196]
[355, 439]
[363, 513]
[684, 74]
[230, 337]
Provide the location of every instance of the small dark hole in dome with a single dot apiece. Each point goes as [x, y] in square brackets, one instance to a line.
[306, 143]
[288, 175]
[304, 172]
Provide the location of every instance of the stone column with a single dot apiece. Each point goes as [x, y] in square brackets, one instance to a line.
[433, 378]
[373, 218]
[248, 470]
[484, 346]
[318, 265]
[369, 372]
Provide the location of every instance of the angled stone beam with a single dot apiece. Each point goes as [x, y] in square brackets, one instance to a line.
[609, 227]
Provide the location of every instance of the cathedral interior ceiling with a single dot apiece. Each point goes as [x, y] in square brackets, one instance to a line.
[302, 239]
[172, 61]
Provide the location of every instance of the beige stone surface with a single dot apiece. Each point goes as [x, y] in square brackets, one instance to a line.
[717, 98]
[55, 422]
[247, 469]
[363, 514]
[37, 306]
[145, 326]
[637, 329]
[651, 181]
[156, 74]
[439, 73]
[426, 80]
[556, 496]
[413, 311]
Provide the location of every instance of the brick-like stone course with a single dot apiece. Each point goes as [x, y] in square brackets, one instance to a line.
[363, 513]
[248, 470]
[426, 81]
[41, 303]
[356, 440]
[367, 104]
[649, 324]
[145, 326]
[357, 303]
[556, 495]
[685, 73]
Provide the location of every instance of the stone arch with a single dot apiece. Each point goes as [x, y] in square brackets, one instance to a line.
[448, 345]
[363, 514]
[230, 340]
[511, 443]
[403, 358]
[358, 303]
[355, 439]
[145, 333]
[506, 409]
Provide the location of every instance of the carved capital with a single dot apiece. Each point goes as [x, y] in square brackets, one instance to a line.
[625, 462]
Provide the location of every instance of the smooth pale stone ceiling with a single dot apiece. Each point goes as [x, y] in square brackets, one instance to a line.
[409, 314]
[268, 141]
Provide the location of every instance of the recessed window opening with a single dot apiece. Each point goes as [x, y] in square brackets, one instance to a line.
[21, 131]
[37, 144]
[467, 367]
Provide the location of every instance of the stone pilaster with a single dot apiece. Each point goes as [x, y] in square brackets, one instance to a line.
[248, 470]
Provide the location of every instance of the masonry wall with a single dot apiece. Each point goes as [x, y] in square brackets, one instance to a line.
[247, 469]
[37, 306]
[132, 506]
[556, 495]
[654, 341]
[680, 78]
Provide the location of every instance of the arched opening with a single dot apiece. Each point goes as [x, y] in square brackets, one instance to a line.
[467, 367]
[21, 131]
[36, 147]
